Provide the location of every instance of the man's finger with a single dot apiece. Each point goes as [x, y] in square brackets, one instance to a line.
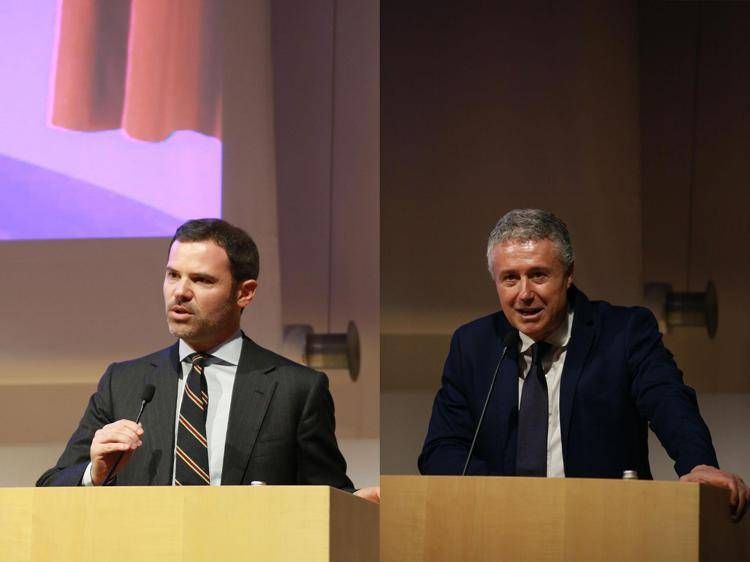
[118, 437]
[734, 495]
[125, 425]
[105, 448]
[742, 504]
[120, 434]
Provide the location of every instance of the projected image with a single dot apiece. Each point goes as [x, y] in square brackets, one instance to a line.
[110, 117]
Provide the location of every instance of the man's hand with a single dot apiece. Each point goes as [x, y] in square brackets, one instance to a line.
[739, 497]
[371, 493]
[122, 436]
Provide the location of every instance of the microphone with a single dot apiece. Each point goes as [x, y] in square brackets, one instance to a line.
[146, 396]
[510, 340]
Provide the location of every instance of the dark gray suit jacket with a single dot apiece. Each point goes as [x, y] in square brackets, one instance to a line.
[281, 423]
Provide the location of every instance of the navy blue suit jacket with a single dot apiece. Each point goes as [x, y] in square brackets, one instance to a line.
[617, 379]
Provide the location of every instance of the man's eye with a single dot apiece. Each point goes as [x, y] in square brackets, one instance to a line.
[172, 275]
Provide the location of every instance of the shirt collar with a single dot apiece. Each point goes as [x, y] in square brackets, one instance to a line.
[226, 352]
[559, 338]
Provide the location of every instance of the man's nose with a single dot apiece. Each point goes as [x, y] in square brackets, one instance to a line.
[183, 290]
[526, 292]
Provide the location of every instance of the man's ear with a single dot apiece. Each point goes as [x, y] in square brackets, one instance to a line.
[246, 292]
[570, 274]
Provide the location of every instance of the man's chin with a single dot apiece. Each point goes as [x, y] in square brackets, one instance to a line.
[180, 330]
[535, 330]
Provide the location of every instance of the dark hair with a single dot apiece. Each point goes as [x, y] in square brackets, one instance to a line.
[241, 250]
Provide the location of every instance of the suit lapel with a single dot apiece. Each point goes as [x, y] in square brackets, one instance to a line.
[162, 413]
[251, 395]
[581, 340]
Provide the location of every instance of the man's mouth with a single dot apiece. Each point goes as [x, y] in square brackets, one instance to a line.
[178, 311]
[529, 313]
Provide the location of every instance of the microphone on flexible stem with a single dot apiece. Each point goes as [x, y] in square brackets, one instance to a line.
[509, 341]
[146, 396]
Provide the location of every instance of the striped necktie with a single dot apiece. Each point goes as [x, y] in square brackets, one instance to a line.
[191, 467]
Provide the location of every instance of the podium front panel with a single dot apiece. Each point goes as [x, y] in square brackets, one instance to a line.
[497, 519]
[187, 524]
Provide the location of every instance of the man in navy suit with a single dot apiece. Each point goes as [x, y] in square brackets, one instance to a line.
[580, 383]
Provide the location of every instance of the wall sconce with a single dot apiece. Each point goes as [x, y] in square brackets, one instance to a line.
[323, 351]
[674, 309]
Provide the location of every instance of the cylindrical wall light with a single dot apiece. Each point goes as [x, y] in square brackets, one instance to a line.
[323, 351]
[673, 309]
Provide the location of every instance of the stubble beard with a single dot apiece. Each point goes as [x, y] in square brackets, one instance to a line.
[197, 331]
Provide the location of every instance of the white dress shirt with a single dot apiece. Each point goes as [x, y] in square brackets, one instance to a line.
[219, 371]
[553, 368]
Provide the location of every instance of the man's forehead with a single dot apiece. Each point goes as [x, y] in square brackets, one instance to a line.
[510, 254]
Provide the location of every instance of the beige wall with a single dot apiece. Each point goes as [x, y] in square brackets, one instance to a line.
[327, 116]
[695, 132]
[249, 184]
[695, 123]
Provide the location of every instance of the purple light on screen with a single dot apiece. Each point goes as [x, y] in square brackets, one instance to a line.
[46, 205]
[56, 183]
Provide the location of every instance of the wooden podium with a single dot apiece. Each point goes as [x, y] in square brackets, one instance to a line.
[165, 524]
[497, 519]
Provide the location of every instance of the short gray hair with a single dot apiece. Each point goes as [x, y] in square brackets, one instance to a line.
[522, 225]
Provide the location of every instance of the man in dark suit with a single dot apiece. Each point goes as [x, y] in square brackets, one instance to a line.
[580, 383]
[225, 410]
